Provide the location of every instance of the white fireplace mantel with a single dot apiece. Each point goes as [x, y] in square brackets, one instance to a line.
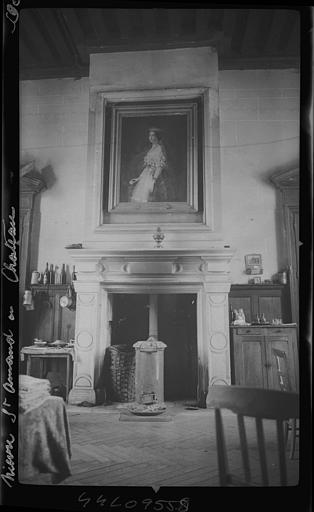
[103, 272]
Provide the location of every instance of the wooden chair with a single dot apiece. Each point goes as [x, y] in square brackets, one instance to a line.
[285, 385]
[259, 404]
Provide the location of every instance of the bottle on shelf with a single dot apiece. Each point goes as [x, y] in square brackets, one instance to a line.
[73, 275]
[57, 275]
[46, 277]
[51, 275]
[231, 315]
[263, 319]
[63, 275]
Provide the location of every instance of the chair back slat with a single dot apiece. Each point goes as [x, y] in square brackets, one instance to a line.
[222, 453]
[244, 451]
[259, 404]
[254, 402]
[281, 453]
[261, 450]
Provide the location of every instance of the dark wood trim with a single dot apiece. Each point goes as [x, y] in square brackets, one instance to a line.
[272, 286]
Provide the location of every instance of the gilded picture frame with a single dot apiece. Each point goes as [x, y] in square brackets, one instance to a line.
[131, 157]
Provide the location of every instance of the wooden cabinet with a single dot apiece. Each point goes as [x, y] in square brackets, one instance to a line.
[48, 321]
[272, 300]
[252, 361]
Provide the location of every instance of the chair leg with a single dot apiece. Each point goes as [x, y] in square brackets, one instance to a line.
[286, 434]
[293, 424]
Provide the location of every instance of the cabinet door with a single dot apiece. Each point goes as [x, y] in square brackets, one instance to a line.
[249, 361]
[285, 344]
[245, 303]
[270, 306]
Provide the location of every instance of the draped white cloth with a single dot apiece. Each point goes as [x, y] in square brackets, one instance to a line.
[154, 162]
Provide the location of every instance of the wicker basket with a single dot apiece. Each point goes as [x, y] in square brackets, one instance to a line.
[122, 373]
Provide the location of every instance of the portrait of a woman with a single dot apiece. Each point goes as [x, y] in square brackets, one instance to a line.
[152, 160]
[150, 184]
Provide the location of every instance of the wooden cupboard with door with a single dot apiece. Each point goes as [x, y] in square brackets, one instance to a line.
[49, 322]
[270, 299]
[252, 361]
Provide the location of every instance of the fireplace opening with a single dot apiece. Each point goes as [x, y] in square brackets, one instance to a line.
[176, 326]
[130, 316]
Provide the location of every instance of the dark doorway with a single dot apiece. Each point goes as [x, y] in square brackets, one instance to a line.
[177, 328]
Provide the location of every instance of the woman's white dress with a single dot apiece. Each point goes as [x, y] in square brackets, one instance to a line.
[154, 162]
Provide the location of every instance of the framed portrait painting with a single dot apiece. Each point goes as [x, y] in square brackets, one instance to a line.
[152, 157]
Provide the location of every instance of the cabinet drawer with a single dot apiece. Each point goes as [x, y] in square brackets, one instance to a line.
[249, 330]
[276, 330]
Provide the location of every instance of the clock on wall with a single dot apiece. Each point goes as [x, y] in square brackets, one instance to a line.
[68, 300]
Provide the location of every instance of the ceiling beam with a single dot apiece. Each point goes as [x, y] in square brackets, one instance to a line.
[294, 41]
[274, 32]
[228, 24]
[291, 19]
[97, 22]
[75, 33]
[27, 56]
[265, 23]
[250, 33]
[239, 30]
[124, 22]
[175, 22]
[67, 35]
[201, 22]
[149, 23]
[33, 37]
[53, 35]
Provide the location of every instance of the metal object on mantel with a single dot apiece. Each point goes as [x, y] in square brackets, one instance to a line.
[149, 377]
[158, 237]
[74, 246]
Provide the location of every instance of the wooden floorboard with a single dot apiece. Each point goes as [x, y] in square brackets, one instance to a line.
[182, 452]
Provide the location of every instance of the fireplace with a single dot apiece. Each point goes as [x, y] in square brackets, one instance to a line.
[181, 276]
[176, 327]
[167, 246]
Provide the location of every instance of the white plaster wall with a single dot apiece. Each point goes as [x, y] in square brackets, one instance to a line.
[53, 132]
[259, 127]
[259, 134]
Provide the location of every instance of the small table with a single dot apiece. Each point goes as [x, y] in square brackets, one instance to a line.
[43, 353]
